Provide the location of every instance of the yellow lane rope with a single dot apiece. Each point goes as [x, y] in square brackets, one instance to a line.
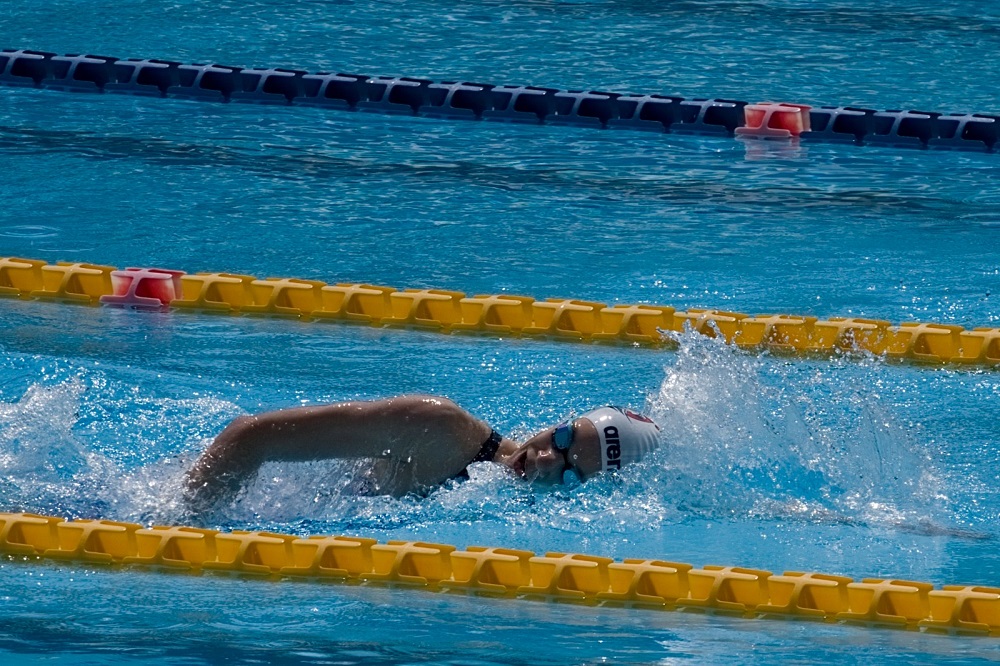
[502, 314]
[506, 572]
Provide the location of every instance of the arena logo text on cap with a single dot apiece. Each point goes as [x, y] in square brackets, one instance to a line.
[626, 436]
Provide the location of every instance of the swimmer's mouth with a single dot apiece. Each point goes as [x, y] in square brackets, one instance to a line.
[516, 462]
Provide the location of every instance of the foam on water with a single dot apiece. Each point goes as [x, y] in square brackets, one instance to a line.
[749, 436]
[42, 463]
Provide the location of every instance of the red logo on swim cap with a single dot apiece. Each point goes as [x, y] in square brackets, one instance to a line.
[639, 417]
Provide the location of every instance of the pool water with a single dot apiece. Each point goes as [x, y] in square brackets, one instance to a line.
[847, 465]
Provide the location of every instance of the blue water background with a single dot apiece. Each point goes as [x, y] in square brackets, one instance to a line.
[846, 465]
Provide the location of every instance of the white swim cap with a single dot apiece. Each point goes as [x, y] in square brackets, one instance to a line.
[625, 436]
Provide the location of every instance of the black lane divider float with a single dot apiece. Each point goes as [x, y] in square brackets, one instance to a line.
[483, 101]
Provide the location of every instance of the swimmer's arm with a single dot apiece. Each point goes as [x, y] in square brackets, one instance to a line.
[434, 435]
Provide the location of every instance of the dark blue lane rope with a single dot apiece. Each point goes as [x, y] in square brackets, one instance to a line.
[480, 101]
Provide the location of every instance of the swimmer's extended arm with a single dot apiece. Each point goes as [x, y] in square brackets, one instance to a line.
[434, 437]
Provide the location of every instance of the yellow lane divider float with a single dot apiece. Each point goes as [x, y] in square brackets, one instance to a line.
[505, 572]
[503, 314]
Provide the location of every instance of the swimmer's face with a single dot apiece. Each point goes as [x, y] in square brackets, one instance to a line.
[539, 460]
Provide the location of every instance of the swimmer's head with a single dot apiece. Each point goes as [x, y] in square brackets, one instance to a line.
[625, 436]
[602, 439]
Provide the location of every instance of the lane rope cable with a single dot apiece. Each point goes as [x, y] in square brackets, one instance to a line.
[506, 103]
[499, 314]
[512, 573]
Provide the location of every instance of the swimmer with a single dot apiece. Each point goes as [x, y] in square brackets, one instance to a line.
[417, 442]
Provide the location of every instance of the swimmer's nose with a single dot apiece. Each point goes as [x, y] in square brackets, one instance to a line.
[549, 464]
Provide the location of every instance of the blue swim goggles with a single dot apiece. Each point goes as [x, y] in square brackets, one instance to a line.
[562, 440]
[562, 436]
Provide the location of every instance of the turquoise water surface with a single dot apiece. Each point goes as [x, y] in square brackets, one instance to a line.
[845, 465]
